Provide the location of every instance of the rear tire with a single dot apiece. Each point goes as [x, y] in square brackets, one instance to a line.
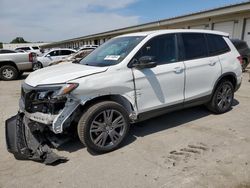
[245, 64]
[8, 72]
[103, 126]
[222, 99]
[38, 65]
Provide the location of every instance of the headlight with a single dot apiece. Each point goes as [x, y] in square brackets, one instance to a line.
[66, 89]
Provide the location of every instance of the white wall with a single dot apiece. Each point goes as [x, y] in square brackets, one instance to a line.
[14, 46]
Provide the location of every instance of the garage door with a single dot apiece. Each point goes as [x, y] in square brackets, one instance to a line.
[198, 27]
[227, 27]
[247, 32]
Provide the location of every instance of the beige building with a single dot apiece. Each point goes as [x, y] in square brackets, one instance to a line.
[233, 19]
[19, 45]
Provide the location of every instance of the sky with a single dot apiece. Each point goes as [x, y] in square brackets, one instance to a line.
[55, 20]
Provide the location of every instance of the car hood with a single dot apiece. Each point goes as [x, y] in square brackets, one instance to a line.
[61, 74]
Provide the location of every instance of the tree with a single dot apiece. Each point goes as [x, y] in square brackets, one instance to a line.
[1, 45]
[18, 40]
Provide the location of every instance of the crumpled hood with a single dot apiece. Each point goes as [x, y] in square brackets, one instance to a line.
[61, 73]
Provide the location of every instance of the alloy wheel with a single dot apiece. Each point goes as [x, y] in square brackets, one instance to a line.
[107, 128]
[8, 73]
[224, 97]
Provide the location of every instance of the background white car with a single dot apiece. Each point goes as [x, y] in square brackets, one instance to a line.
[35, 49]
[52, 55]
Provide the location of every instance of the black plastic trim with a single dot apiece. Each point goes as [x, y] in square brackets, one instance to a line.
[158, 112]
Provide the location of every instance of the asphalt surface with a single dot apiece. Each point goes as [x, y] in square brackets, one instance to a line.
[190, 148]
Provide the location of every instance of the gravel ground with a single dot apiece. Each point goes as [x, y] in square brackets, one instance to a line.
[190, 148]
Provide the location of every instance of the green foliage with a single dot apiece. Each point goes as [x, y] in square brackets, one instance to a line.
[1, 45]
[18, 40]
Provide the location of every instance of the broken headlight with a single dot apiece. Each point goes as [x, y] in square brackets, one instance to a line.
[52, 92]
[66, 89]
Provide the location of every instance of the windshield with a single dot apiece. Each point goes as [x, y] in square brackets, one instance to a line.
[112, 52]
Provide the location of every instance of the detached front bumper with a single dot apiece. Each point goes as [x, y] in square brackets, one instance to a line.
[26, 140]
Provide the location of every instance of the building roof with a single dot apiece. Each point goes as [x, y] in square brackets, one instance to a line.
[232, 8]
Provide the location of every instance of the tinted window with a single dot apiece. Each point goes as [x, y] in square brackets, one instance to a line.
[35, 48]
[66, 52]
[54, 53]
[194, 45]
[6, 51]
[216, 44]
[162, 48]
[23, 48]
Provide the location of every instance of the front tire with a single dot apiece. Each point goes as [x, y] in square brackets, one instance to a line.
[8, 72]
[222, 99]
[103, 126]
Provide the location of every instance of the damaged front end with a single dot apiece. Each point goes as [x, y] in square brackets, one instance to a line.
[45, 112]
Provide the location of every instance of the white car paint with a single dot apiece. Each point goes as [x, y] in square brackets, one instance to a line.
[61, 74]
[145, 89]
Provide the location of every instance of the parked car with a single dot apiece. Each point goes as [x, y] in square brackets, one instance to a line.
[52, 55]
[74, 57]
[244, 51]
[13, 64]
[128, 79]
[35, 49]
[88, 47]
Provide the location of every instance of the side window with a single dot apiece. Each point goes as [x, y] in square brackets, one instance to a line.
[66, 52]
[54, 53]
[194, 45]
[162, 48]
[216, 45]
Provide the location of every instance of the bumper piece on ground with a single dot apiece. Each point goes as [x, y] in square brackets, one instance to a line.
[27, 142]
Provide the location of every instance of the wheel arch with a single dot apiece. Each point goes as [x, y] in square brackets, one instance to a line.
[230, 76]
[126, 103]
[11, 63]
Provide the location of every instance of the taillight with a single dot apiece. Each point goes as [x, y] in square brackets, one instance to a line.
[240, 60]
[30, 57]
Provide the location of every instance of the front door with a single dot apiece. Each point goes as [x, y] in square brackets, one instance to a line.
[162, 85]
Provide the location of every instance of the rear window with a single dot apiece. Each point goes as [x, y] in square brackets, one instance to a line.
[194, 45]
[35, 47]
[23, 48]
[216, 45]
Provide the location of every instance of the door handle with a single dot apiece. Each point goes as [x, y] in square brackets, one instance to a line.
[212, 63]
[178, 70]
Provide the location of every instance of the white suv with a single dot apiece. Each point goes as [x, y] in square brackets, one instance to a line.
[51, 56]
[132, 78]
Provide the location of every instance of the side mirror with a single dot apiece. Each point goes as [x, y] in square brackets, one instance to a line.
[48, 55]
[145, 62]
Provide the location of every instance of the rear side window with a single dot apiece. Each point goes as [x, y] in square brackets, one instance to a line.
[66, 52]
[6, 51]
[162, 48]
[216, 45]
[194, 45]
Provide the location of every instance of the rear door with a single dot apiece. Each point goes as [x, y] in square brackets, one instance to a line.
[163, 85]
[202, 70]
